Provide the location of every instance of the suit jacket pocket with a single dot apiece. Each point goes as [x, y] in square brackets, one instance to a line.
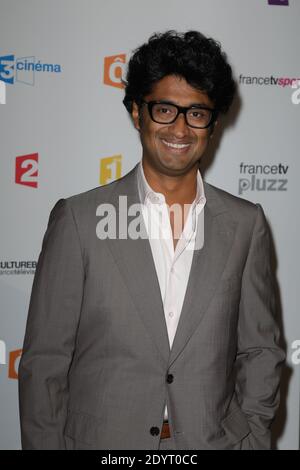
[82, 427]
[236, 426]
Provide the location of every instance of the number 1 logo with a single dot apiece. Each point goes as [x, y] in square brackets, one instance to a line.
[27, 170]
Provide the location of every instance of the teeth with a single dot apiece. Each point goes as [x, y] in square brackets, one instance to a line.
[175, 146]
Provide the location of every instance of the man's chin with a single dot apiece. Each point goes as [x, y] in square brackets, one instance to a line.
[177, 167]
[173, 170]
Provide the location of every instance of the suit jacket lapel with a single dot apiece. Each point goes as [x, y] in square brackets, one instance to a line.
[135, 261]
[207, 267]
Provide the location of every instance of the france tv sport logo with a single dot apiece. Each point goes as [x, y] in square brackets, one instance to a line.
[114, 70]
[23, 69]
[27, 170]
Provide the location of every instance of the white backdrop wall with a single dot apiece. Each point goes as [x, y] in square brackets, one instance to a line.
[60, 68]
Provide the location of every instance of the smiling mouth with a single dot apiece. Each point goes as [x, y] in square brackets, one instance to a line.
[175, 146]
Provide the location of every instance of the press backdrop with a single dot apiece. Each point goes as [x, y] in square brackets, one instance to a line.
[64, 130]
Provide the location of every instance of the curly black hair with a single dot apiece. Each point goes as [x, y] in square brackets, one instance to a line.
[191, 55]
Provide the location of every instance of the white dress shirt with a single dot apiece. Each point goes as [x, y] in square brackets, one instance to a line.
[172, 266]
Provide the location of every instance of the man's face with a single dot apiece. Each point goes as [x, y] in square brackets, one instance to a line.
[157, 139]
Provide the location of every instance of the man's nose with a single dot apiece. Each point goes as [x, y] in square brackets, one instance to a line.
[179, 126]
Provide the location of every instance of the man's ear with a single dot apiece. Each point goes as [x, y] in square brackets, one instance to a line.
[212, 129]
[135, 115]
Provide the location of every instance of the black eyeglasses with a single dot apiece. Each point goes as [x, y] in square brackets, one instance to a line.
[164, 112]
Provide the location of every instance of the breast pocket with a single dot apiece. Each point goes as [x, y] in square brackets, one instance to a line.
[225, 304]
[231, 284]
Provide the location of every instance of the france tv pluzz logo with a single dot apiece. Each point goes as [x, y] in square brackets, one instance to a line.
[114, 70]
[27, 170]
[263, 177]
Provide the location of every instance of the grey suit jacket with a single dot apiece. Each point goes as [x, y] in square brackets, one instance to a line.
[96, 356]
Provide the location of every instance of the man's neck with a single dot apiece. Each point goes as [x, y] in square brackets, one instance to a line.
[176, 189]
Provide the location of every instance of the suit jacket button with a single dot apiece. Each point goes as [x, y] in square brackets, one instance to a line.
[154, 431]
[170, 378]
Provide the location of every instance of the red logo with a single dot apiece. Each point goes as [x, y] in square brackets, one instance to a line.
[27, 170]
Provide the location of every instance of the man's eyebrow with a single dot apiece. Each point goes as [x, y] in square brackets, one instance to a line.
[199, 105]
[203, 105]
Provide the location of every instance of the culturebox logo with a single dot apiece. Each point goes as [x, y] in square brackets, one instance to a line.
[11, 267]
[114, 70]
[24, 69]
[110, 169]
[26, 172]
[12, 362]
[262, 177]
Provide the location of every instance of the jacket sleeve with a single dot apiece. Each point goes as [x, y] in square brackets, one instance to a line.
[259, 356]
[53, 317]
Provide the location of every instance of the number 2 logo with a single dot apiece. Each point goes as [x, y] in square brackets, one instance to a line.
[27, 170]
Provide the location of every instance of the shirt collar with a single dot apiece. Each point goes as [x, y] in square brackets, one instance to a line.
[146, 193]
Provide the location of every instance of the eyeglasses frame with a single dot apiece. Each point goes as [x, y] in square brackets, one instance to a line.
[181, 110]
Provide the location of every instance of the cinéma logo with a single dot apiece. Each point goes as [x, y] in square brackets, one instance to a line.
[114, 70]
[279, 2]
[110, 169]
[263, 177]
[24, 69]
[13, 360]
[27, 170]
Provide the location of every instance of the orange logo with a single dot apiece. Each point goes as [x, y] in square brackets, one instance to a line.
[12, 369]
[114, 69]
[110, 169]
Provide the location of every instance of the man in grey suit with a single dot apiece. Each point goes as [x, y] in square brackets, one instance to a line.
[165, 340]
